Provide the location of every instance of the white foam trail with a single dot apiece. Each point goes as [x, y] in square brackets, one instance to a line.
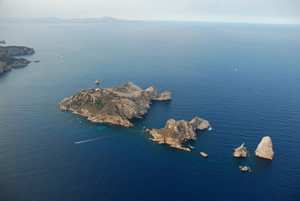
[90, 140]
[84, 141]
[210, 128]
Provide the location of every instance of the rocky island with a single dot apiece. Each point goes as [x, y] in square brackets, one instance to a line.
[265, 148]
[176, 132]
[241, 152]
[7, 60]
[116, 105]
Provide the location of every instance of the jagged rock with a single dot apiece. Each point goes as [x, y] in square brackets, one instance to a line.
[176, 132]
[245, 168]
[16, 50]
[265, 148]
[191, 147]
[199, 123]
[114, 105]
[241, 152]
[7, 60]
[146, 130]
[203, 154]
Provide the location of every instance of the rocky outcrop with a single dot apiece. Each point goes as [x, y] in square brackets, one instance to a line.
[115, 105]
[241, 152]
[265, 148]
[203, 154]
[7, 60]
[176, 132]
[2, 42]
[245, 168]
[16, 50]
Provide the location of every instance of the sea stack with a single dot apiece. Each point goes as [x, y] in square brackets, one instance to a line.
[265, 148]
[241, 152]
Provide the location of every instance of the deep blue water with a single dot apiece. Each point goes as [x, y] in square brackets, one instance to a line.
[39, 156]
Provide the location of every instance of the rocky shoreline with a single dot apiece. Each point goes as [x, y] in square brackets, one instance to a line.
[176, 132]
[116, 105]
[8, 60]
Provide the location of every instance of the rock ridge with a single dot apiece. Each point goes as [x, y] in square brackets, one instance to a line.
[176, 132]
[116, 105]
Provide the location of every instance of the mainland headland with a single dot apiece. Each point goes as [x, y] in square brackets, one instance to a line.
[8, 60]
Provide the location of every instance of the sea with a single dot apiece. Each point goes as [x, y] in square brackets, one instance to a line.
[243, 78]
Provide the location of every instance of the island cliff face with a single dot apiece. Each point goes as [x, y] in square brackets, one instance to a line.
[115, 105]
[241, 152]
[176, 132]
[7, 60]
[265, 148]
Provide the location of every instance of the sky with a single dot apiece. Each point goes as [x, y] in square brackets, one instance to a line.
[256, 11]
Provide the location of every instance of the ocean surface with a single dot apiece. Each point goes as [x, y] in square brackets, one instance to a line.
[243, 78]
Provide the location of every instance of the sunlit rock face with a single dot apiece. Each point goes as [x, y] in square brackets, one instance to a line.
[265, 148]
[176, 132]
[116, 105]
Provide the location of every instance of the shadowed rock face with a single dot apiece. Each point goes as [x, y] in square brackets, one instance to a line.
[265, 148]
[114, 105]
[16, 50]
[7, 60]
[241, 152]
[176, 132]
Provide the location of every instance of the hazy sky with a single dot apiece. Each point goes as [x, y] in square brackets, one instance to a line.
[274, 11]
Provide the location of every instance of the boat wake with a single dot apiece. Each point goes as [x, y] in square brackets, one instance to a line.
[56, 55]
[89, 140]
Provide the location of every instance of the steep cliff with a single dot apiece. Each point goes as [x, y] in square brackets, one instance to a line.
[115, 105]
[176, 132]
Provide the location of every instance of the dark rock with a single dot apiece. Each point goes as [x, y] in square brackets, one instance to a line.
[7, 60]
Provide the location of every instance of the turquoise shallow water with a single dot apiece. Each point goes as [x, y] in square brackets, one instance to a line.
[46, 154]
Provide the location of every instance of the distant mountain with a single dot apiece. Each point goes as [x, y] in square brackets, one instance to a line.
[60, 20]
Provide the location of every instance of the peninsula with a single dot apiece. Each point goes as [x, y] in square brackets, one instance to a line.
[7, 59]
[116, 105]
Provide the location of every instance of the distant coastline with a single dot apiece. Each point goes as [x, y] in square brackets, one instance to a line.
[8, 60]
[55, 20]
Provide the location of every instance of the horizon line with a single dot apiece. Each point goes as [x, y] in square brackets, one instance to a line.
[4, 18]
